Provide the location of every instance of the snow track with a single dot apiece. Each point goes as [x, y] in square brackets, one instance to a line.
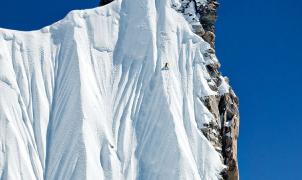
[86, 98]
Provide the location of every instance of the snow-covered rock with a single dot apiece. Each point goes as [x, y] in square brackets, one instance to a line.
[89, 98]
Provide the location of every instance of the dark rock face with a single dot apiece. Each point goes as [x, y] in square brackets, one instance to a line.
[104, 2]
[222, 131]
[208, 15]
[228, 108]
[201, 16]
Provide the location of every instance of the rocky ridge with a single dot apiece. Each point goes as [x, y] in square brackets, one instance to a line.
[223, 130]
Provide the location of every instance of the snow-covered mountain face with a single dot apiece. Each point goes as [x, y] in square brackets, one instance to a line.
[124, 91]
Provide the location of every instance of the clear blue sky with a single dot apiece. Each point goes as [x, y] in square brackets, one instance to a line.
[259, 46]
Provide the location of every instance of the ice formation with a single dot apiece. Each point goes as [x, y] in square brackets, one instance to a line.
[88, 97]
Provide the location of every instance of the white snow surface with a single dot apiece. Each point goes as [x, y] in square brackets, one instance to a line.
[88, 98]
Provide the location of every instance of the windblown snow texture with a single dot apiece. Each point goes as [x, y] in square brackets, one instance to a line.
[89, 98]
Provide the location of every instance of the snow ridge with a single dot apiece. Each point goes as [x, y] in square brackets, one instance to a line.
[88, 97]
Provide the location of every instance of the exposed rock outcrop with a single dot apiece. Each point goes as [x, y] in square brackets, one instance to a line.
[223, 130]
[202, 15]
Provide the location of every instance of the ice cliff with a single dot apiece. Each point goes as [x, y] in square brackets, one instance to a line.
[125, 91]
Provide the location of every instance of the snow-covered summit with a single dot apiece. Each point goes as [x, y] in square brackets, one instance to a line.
[89, 98]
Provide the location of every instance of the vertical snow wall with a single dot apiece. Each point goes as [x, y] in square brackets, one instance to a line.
[89, 98]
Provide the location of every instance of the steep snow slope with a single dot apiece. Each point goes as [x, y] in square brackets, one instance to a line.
[88, 97]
